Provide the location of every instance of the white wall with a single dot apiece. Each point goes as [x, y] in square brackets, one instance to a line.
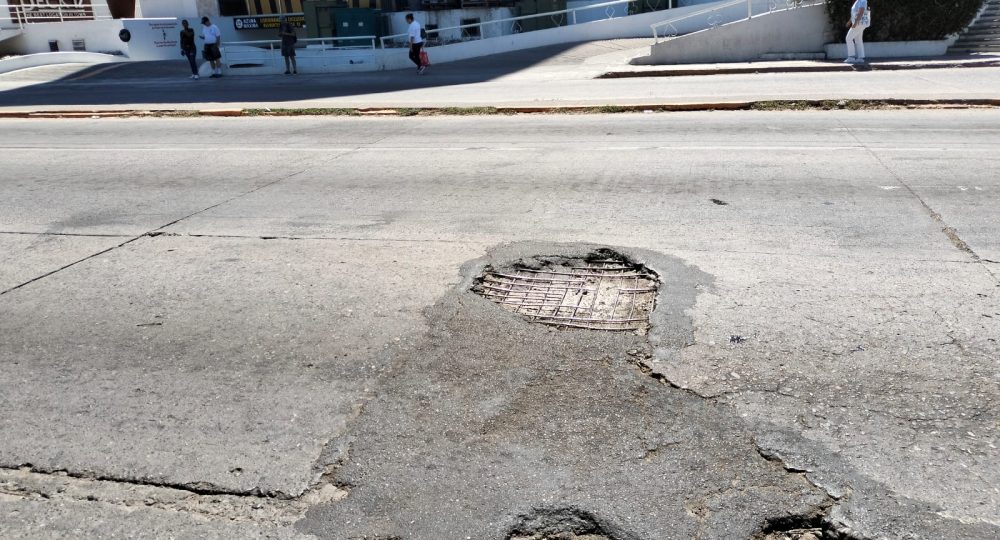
[256, 61]
[45, 59]
[801, 30]
[624, 27]
[151, 9]
[453, 17]
[100, 36]
[895, 49]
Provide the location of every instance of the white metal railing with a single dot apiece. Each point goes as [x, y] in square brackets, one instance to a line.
[33, 11]
[515, 22]
[715, 18]
[267, 49]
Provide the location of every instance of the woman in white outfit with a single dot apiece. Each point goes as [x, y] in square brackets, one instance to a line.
[861, 18]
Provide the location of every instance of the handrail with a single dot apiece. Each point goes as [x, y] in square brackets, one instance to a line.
[271, 42]
[699, 13]
[714, 20]
[21, 14]
[571, 12]
[265, 50]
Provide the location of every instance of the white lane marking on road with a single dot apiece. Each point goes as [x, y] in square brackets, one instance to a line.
[890, 188]
[513, 147]
[188, 148]
[919, 130]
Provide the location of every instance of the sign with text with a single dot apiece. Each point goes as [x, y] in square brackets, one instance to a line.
[41, 11]
[267, 22]
[153, 39]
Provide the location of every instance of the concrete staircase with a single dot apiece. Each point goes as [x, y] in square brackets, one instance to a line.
[983, 35]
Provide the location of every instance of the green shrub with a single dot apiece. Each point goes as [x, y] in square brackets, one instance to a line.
[908, 20]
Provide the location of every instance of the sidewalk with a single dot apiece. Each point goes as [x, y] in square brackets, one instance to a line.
[583, 75]
[806, 66]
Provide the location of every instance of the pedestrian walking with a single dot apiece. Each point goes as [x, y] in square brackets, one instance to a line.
[861, 18]
[416, 33]
[288, 38]
[188, 48]
[213, 38]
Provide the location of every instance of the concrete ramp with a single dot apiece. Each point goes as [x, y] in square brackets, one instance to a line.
[798, 30]
[7, 33]
[47, 59]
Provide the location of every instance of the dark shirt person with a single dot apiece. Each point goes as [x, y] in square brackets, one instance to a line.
[288, 38]
[188, 48]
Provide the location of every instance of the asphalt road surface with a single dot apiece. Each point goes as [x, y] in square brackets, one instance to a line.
[266, 327]
[545, 77]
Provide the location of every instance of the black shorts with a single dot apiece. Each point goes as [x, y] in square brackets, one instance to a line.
[288, 50]
[211, 52]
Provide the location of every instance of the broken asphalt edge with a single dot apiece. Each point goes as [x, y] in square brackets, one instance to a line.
[752, 105]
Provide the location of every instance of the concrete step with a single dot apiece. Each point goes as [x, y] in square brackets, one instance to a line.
[978, 46]
[963, 42]
[792, 56]
[970, 50]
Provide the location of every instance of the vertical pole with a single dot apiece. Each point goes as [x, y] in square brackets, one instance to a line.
[574, 16]
[749, 9]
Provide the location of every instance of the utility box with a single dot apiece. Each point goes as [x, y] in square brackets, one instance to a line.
[355, 22]
[327, 18]
[319, 17]
[533, 7]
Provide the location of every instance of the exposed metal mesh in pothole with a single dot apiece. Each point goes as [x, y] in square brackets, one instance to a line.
[597, 293]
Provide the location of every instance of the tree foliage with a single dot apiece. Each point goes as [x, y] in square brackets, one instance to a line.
[908, 20]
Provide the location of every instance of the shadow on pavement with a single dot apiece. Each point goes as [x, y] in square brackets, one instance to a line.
[167, 82]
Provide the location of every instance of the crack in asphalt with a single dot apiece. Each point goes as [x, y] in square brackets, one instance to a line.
[74, 263]
[193, 488]
[158, 230]
[638, 362]
[26, 484]
[79, 235]
[936, 216]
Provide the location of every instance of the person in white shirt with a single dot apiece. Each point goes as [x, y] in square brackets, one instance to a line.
[861, 18]
[213, 38]
[416, 42]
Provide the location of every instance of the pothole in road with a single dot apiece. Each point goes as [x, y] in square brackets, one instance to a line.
[562, 524]
[603, 291]
[815, 527]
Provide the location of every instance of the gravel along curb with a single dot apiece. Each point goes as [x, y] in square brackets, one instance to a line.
[762, 105]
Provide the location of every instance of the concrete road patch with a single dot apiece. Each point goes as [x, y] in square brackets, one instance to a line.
[495, 426]
[159, 366]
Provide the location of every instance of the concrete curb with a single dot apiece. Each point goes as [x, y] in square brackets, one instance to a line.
[760, 105]
[822, 68]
